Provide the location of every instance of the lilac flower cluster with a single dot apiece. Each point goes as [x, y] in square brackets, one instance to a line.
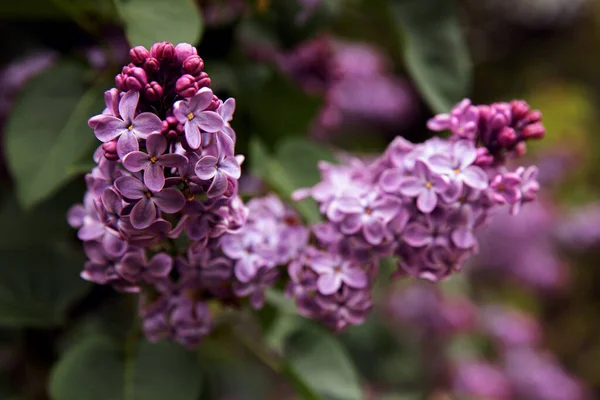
[357, 82]
[420, 202]
[167, 170]
[522, 369]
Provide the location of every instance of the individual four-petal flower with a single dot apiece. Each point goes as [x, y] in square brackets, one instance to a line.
[195, 118]
[154, 162]
[217, 170]
[128, 128]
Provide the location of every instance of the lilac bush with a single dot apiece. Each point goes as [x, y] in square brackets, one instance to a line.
[162, 216]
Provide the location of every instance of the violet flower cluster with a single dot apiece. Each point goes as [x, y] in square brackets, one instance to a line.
[521, 368]
[420, 202]
[166, 170]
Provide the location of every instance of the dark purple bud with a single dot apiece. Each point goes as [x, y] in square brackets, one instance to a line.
[110, 150]
[153, 91]
[203, 80]
[172, 135]
[151, 65]
[184, 50]
[193, 65]
[507, 137]
[164, 51]
[136, 79]
[534, 131]
[138, 55]
[214, 104]
[519, 109]
[520, 149]
[186, 86]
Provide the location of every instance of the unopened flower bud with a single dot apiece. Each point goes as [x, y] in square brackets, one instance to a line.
[184, 50]
[186, 86]
[110, 150]
[519, 109]
[164, 51]
[534, 131]
[203, 80]
[507, 137]
[138, 55]
[151, 65]
[153, 91]
[193, 65]
[214, 104]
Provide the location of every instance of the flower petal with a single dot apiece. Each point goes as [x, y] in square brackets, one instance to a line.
[192, 134]
[154, 177]
[440, 164]
[75, 215]
[206, 167]
[230, 167]
[128, 105]
[475, 177]
[169, 200]
[107, 127]
[160, 265]
[145, 124]
[374, 232]
[245, 269]
[417, 235]
[427, 201]
[464, 153]
[156, 144]
[172, 160]
[209, 121]
[218, 185]
[130, 187]
[390, 180]
[329, 283]
[411, 186]
[355, 277]
[463, 238]
[136, 161]
[200, 100]
[127, 143]
[351, 224]
[143, 213]
[91, 231]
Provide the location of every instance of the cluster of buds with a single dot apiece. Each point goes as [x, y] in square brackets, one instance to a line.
[166, 170]
[420, 202]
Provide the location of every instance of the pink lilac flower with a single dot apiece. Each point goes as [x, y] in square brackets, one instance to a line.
[195, 117]
[217, 170]
[154, 161]
[127, 127]
[145, 203]
[135, 268]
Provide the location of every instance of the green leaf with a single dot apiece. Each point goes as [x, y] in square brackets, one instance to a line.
[38, 285]
[435, 52]
[315, 361]
[151, 21]
[90, 370]
[47, 130]
[96, 369]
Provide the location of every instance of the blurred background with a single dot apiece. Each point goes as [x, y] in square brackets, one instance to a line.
[521, 320]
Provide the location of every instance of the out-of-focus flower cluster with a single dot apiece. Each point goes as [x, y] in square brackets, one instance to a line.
[420, 202]
[356, 80]
[521, 368]
[166, 169]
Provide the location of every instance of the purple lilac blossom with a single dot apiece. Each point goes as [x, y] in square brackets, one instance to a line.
[435, 197]
[160, 121]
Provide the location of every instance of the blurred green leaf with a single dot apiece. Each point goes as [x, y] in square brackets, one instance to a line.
[435, 51]
[293, 166]
[57, 9]
[96, 369]
[47, 130]
[37, 285]
[315, 361]
[150, 21]
[90, 370]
